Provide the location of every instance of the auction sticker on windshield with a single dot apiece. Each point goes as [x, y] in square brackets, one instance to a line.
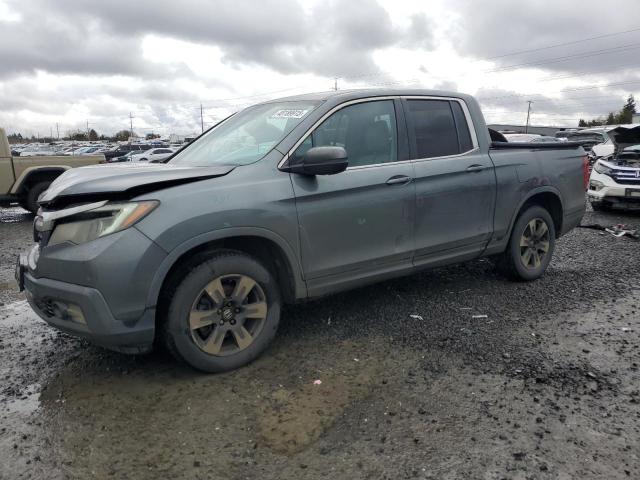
[289, 114]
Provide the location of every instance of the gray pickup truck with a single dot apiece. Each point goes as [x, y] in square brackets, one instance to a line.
[289, 200]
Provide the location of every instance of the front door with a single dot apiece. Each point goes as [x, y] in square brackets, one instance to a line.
[359, 221]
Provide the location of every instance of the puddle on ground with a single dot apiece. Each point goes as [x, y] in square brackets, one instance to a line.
[157, 415]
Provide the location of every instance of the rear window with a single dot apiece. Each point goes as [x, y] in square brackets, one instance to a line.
[439, 128]
[464, 135]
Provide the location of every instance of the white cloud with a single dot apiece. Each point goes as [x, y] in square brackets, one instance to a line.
[70, 61]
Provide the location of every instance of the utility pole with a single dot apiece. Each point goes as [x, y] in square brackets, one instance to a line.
[335, 83]
[526, 128]
[87, 129]
[58, 130]
[131, 125]
[201, 120]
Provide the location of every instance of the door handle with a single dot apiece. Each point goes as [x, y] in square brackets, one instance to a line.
[475, 168]
[399, 180]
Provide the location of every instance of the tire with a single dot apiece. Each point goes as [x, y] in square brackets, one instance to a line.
[220, 345]
[512, 262]
[31, 200]
[143, 159]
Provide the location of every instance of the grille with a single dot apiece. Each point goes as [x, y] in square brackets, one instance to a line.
[626, 177]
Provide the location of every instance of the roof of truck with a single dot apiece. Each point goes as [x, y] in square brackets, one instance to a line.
[345, 95]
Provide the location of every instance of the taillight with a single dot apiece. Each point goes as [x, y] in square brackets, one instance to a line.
[585, 172]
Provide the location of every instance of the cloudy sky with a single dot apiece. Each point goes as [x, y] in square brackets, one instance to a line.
[76, 61]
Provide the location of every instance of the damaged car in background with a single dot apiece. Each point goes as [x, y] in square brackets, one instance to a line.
[615, 179]
[589, 139]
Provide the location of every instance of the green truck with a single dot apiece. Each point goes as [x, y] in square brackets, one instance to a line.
[23, 179]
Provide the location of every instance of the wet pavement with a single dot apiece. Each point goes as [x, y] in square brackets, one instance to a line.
[546, 386]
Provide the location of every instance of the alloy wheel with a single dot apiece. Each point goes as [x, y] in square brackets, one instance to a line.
[534, 243]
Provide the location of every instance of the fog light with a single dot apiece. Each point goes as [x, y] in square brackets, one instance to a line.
[69, 312]
[74, 313]
[595, 185]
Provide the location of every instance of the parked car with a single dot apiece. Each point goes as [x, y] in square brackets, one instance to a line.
[615, 179]
[589, 137]
[606, 148]
[24, 178]
[545, 139]
[152, 155]
[520, 137]
[123, 149]
[124, 158]
[38, 151]
[289, 200]
[562, 135]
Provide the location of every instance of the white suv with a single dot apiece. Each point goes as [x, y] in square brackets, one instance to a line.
[615, 180]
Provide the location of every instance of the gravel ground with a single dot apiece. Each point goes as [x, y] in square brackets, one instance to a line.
[545, 386]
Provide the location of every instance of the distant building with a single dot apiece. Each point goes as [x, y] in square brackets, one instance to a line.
[174, 138]
[546, 130]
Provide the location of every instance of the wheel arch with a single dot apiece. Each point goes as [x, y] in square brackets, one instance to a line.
[32, 175]
[266, 246]
[546, 197]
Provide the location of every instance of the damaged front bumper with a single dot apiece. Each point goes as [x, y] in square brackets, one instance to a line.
[97, 290]
[605, 191]
[83, 312]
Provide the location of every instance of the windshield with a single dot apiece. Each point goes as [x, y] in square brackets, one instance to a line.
[245, 137]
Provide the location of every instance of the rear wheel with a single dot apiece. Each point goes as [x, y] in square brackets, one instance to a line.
[223, 313]
[530, 247]
[31, 199]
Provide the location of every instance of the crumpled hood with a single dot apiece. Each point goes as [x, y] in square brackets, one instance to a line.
[121, 181]
[624, 136]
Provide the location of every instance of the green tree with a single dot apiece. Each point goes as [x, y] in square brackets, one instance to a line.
[626, 114]
[93, 135]
[15, 138]
[611, 119]
[122, 135]
[78, 136]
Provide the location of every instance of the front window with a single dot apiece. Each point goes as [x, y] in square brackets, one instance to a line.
[247, 136]
[367, 131]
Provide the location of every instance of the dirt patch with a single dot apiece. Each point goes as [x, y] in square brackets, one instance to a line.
[295, 417]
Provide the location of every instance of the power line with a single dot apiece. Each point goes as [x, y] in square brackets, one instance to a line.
[593, 53]
[576, 89]
[574, 42]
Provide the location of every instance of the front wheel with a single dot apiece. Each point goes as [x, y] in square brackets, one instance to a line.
[530, 247]
[31, 200]
[223, 313]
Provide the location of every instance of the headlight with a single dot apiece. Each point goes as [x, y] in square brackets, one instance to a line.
[92, 224]
[603, 169]
[595, 185]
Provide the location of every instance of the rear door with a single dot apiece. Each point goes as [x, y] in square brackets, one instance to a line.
[455, 182]
[359, 221]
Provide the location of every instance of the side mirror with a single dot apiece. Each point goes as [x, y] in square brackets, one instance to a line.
[320, 161]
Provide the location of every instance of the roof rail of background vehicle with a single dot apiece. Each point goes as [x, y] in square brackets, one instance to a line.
[346, 95]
